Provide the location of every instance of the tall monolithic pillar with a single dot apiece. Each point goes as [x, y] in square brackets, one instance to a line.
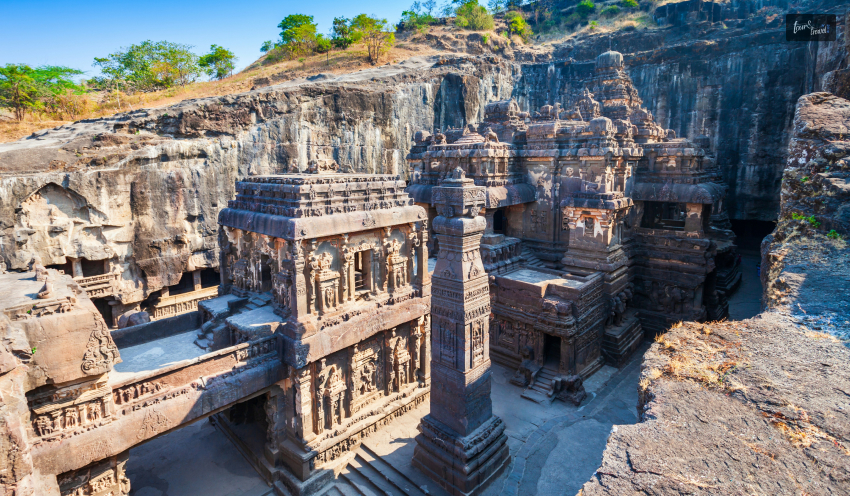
[461, 445]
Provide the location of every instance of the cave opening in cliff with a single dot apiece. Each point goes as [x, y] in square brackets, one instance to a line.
[82, 267]
[750, 233]
[186, 284]
[210, 278]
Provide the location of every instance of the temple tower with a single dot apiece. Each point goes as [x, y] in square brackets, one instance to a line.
[461, 444]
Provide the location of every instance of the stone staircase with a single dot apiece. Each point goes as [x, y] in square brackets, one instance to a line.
[207, 331]
[541, 390]
[531, 259]
[257, 300]
[369, 475]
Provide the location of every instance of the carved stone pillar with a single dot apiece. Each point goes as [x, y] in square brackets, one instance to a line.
[77, 267]
[461, 445]
[425, 370]
[276, 421]
[423, 276]
[298, 290]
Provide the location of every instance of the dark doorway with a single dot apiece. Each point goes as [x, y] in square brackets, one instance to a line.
[186, 284]
[105, 309]
[750, 233]
[500, 222]
[210, 278]
[552, 350]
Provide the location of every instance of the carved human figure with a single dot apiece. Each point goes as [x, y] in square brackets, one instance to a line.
[94, 411]
[71, 417]
[619, 308]
[44, 425]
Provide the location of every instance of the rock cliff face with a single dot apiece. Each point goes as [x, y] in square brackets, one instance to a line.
[759, 406]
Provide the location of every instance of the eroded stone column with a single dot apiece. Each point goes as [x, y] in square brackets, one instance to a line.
[461, 445]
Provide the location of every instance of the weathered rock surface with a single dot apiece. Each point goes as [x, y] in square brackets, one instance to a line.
[754, 407]
[142, 190]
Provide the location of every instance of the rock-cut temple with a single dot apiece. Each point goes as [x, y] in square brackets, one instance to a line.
[552, 242]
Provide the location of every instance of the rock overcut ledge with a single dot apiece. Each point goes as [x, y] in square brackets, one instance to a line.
[760, 406]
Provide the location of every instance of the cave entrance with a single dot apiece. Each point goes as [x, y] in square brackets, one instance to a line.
[186, 284]
[210, 278]
[82, 267]
[265, 274]
[552, 350]
[105, 310]
[500, 222]
[750, 233]
[664, 215]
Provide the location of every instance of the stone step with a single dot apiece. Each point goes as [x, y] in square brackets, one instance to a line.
[383, 479]
[536, 396]
[396, 478]
[361, 484]
[340, 488]
[203, 343]
[546, 374]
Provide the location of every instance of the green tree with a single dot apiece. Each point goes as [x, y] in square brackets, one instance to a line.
[517, 25]
[323, 44]
[375, 34]
[176, 63]
[343, 34]
[25, 89]
[219, 63]
[585, 8]
[297, 35]
[470, 15]
[147, 66]
[416, 18]
[629, 4]
[267, 46]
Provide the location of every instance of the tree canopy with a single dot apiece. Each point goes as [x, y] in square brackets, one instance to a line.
[343, 34]
[218, 63]
[24, 89]
[375, 34]
[147, 66]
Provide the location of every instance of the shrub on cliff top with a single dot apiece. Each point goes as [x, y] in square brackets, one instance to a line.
[585, 8]
[517, 25]
[24, 89]
[375, 34]
[147, 66]
[474, 17]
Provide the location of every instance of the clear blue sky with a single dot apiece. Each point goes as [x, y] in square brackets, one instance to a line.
[40, 32]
